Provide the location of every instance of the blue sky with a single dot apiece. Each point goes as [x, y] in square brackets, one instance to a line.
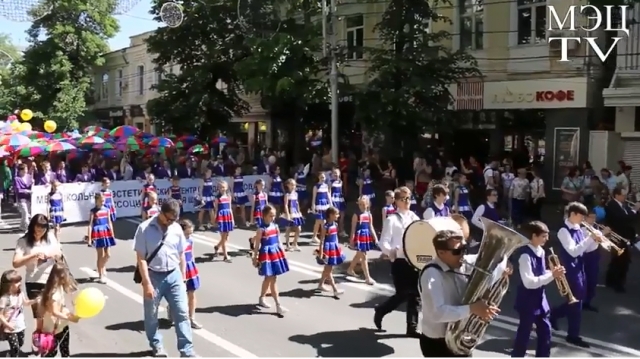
[134, 22]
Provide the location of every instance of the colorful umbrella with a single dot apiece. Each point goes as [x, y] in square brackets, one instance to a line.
[35, 135]
[60, 146]
[220, 139]
[146, 135]
[130, 142]
[181, 144]
[30, 150]
[90, 130]
[3, 152]
[199, 149]
[104, 146]
[76, 154]
[187, 138]
[124, 131]
[14, 141]
[58, 136]
[110, 153]
[161, 142]
[91, 140]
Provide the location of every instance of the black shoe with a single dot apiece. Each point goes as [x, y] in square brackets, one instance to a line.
[413, 332]
[590, 308]
[554, 324]
[377, 320]
[578, 341]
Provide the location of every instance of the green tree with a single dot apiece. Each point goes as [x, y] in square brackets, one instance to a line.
[205, 94]
[410, 72]
[9, 62]
[285, 67]
[65, 46]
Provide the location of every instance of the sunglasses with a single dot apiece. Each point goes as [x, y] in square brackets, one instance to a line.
[404, 199]
[170, 219]
[457, 251]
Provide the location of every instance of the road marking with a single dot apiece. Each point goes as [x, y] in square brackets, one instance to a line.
[387, 290]
[203, 333]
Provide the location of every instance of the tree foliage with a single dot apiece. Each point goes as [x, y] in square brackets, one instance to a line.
[410, 70]
[9, 56]
[205, 94]
[55, 74]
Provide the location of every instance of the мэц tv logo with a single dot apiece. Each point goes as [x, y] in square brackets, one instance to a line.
[606, 18]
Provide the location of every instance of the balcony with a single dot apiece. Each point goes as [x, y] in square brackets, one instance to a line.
[624, 89]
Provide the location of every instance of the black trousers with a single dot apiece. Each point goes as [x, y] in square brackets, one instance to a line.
[405, 279]
[34, 290]
[618, 268]
[436, 348]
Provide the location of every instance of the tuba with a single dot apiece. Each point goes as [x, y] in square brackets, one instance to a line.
[486, 282]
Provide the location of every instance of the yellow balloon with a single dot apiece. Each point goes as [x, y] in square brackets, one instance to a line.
[15, 125]
[89, 302]
[50, 126]
[24, 127]
[26, 115]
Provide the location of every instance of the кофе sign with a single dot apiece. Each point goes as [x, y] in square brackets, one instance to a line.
[534, 96]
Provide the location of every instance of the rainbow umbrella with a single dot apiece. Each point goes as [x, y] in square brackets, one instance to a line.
[30, 150]
[60, 146]
[199, 149]
[182, 144]
[76, 154]
[14, 141]
[104, 146]
[133, 143]
[93, 129]
[3, 152]
[91, 140]
[161, 142]
[110, 153]
[124, 131]
[58, 136]
[35, 135]
[187, 138]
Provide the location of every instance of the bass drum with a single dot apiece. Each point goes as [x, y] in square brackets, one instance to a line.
[417, 241]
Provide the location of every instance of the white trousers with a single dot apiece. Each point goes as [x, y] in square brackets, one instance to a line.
[24, 208]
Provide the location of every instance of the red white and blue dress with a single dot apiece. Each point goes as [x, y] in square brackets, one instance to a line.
[297, 219]
[240, 197]
[101, 234]
[107, 194]
[193, 279]
[331, 248]
[208, 193]
[337, 198]
[146, 189]
[260, 201]
[152, 211]
[176, 193]
[389, 210]
[56, 208]
[276, 194]
[322, 200]
[224, 215]
[364, 241]
[270, 255]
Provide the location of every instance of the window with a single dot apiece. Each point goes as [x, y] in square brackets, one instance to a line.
[355, 37]
[104, 89]
[471, 24]
[119, 83]
[141, 80]
[532, 22]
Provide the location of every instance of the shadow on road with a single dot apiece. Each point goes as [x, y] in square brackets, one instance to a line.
[358, 343]
[140, 354]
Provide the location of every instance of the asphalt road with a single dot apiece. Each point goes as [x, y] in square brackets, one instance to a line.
[315, 326]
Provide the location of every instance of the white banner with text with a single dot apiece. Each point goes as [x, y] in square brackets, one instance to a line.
[127, 196]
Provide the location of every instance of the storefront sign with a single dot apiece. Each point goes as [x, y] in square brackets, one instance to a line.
[566, 150]
[560, 95]
[536, 94]
[136, 111]
[110, 117]
[127, 196]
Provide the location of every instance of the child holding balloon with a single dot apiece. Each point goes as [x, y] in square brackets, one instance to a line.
[12, 303]
[101, 234]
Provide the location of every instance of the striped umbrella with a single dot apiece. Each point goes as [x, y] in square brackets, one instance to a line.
[90, 130]
[30, 150]
[124, 131]
[104, 146]
[58, 136]
[14, 141]
[199, 149]
[91, 140]
[76, 154]
[60, 146]
[161, 142]
[3, 152]
[131, 143]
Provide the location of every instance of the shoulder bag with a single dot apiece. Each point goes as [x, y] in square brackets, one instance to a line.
[137, 278]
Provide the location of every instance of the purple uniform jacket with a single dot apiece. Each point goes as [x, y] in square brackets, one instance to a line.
[44, 178]
[99, 173]
[186, 172]
[162, 172]
[62, 176]
[23, 187]
[84, 177]
[114, 175]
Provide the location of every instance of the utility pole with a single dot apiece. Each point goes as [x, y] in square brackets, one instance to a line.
[330, 35]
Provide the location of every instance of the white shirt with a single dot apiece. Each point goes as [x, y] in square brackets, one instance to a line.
[430, 213]
[574, 249]
[488, 177]
[49, 321]
[530, 280]
[442, 292]
[594, 246]
[448, 172]
[37, 271]
[12, 309]
[537, 188]
[393, 231]
[478, 214]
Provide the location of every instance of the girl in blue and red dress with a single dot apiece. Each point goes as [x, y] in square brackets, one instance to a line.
[259, 200]
[206, 194]
[108, 197]
[276, 192]
[224, 217]
[147, 188]
[101, 235]
[337, 198]
[320, 202]
[293, 219]
[365, 185]
[388, 208]
[329, 250]
[363, 239]
[56, 208]
[153, 209]
[191, 274]
[176, 192]
[240, 198]
[269, 258]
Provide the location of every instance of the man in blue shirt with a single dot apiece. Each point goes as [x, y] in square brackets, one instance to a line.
[163, 276]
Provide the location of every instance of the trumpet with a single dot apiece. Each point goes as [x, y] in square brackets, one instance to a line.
[605, 242]
[562, 283]
[613, 235]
